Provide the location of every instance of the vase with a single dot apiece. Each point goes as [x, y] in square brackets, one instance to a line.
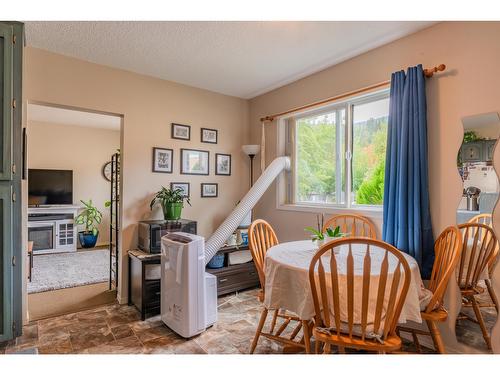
[87, 239]
[172, 211]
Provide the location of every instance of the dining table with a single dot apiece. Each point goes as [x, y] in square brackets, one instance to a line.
[287, 279]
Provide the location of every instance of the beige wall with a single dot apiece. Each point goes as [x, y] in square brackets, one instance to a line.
[148, 106]
[469, 86]
[83, 150]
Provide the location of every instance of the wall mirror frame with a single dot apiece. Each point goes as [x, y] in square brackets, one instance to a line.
[477, 276]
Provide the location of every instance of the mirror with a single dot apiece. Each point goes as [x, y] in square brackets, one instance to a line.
[480, 194]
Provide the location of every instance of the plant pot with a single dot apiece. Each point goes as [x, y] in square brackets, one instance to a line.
[172, 211]
[87, 239]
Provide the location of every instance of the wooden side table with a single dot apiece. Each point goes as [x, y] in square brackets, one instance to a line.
[232, 278]
[144, 282]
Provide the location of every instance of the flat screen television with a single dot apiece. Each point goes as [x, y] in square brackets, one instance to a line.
[50, 187]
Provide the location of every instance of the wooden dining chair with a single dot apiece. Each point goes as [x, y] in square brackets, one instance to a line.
[261, 237]
[488, 220]
[334, 322]
[352, 225]
[478, 250]
[447, 249]
[485, 219]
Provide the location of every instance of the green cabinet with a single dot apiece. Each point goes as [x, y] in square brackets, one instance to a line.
[11, 45]
[477, 151]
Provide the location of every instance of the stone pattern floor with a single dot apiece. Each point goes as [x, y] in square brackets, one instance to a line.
[117, 329]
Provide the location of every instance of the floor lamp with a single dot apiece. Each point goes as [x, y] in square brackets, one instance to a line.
[251, 151]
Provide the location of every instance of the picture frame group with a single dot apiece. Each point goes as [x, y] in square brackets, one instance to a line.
[183, 132]
[192, 162]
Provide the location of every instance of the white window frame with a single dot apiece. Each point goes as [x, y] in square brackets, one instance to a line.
[286, 145]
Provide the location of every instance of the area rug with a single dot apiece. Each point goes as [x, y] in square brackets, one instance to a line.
[67, 270]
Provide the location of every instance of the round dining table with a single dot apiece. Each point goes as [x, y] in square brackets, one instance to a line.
[287, 278]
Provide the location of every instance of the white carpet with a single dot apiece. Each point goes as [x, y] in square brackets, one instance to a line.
[59, 271]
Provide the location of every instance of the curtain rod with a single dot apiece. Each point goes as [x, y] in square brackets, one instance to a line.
[429, 72]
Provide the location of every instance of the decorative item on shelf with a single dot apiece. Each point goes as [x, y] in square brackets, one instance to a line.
[171, 201]
[319, 237]
[209, 190]
[184, 186]
[217, 261]
[194, 162]
[180, 131]
[244, 237]
[232, 240]
[209, 135]
[106, 171]
[251, 151]
[223, 164]
[162, 160]
[90, 218]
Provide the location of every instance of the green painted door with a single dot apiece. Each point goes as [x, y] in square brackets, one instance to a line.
[7, 182]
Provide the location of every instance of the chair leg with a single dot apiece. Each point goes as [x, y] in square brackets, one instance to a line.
[492, 294]
[327, 348]
[262, 320]
[307, 336]
[436, 336]
[480, 320]
[416, 342]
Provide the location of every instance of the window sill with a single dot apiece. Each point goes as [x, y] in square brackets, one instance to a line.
[371, 212]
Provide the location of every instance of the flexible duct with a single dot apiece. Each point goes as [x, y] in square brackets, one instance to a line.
[215, 242]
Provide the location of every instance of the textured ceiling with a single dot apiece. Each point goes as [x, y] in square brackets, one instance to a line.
[70, 117]
[243, 59]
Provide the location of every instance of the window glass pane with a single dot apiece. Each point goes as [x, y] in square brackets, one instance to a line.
[320, 163]
[369, 138]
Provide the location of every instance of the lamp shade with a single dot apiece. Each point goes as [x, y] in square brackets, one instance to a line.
[251, 149]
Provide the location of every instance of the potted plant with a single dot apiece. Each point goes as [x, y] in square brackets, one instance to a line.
[171, 201]
[320, 237]
[90, 218]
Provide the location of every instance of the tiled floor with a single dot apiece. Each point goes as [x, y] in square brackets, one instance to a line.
[118, 329]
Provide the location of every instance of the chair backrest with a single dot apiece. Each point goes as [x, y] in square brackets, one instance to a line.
[447, 249]
[352, 225]
[377, 307]
[485, 219]
[261, 237]
[479, 248]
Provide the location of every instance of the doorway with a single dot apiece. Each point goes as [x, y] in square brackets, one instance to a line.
[73, 208]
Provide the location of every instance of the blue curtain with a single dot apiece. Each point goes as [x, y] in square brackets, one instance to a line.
[407, 219]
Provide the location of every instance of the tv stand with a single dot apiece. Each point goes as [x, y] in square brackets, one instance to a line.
[52, 228]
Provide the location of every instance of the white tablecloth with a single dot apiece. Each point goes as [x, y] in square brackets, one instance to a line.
[287, 279]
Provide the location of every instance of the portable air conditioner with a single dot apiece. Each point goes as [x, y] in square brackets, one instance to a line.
[188, 293]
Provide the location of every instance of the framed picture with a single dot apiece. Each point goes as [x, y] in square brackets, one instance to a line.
[184, 186]
[209, 190]
[162, 160]
[181, 132]
[208, 135]
[223, 164]
[194, 162]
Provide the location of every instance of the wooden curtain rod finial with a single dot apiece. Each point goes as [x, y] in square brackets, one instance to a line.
[430, 72]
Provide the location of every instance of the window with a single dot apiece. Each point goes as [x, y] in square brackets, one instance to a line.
[339, 153]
